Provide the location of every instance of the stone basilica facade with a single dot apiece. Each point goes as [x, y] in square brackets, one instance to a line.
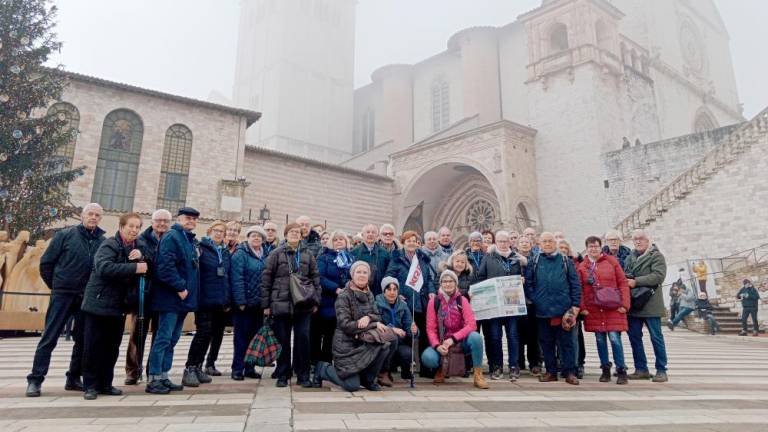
[569, 118]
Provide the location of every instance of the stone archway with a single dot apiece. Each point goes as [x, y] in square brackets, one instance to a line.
[455, 195]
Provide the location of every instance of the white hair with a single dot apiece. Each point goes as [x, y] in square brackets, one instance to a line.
[429, 234]
[445, 228]
[336, 234]
[386, 225]
[501, 233]
[92, 206]
[370, 225]
[613, 233]
[161, 212]
[640, 233]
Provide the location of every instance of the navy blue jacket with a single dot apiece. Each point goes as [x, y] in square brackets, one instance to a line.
[621, 255]
[332, 277]
[246, 276]
[67, 262]
[176, 270]
[214, 286]
[552, 284]
[378, 259]
[749, 297]
[395, 315]
[399, 266]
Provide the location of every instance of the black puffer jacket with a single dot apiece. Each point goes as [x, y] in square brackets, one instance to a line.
[350, 354]
[275, 279]
[67, 262]
[495, 265]
[113, 283]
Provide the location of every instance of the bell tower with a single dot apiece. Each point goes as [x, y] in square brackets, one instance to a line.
[295, 64]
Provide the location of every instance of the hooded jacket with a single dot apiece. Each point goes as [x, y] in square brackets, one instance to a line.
[607, 273]
[246, 274]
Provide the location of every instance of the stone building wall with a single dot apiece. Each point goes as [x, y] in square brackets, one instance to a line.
[294, 186]
[635, 174]
[730, 284]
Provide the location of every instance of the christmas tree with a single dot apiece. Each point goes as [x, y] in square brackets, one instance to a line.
[33, 177]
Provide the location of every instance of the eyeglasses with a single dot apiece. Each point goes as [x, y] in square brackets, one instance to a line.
[217, 231]
[165, 221]
[448, 281]
[270, 229]
[388, 234]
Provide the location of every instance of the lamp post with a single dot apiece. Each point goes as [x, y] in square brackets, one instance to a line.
[264, 214]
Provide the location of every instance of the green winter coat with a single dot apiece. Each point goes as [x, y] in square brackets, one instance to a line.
[648, 270]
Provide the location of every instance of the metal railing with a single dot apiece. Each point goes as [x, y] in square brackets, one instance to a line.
[739, 141]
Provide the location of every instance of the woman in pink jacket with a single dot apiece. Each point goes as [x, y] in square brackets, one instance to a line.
[452, 312]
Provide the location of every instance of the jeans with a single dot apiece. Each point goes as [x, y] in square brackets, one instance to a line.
[61, 308]
[552, 337]
[220, 321]
[352, 383]
[528, 336]
[101, 347]
[299, 323]
[247, 323]
[614, 337]
[134, 357]
[492, 330]
[400, 355]
[684, 312]
[473, 344]
[746, 313]
[169, 325]
[321, 338]
[635, 333]
[674, 308]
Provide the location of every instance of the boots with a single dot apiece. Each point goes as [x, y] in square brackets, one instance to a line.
[622, 376]
[202, 377]
[384, 380]
[439, 376]
[479, 378]
[189, 379]
[606, 375]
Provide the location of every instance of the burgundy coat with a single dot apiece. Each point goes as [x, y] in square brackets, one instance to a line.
[610, 274]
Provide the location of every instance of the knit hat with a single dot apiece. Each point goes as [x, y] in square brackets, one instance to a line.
[476, 236]
[450, 274]
[747, 281]
[256, 229]
[357, 264]
[389, 280]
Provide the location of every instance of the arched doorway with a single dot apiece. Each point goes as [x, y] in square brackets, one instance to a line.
[455, 195]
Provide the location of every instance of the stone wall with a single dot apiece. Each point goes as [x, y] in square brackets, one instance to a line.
[723, 215]
[295, 186]
[729, 285]
[635, 174]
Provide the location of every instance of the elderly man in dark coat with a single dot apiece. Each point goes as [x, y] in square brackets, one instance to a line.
[355, 361]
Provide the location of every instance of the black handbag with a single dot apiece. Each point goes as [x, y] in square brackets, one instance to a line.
[641, 296]
[302, 289]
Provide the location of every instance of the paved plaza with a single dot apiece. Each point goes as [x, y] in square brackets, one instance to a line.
[716, 384]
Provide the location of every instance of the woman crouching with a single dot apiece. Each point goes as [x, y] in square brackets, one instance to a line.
[450, 321]
[361, 340]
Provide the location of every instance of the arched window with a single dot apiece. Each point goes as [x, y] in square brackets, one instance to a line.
[67, 112]
[174, 174]
[118, 165]
[558, 38]
[602, 36]
[441, 105]
[523, 218]
[704, 122]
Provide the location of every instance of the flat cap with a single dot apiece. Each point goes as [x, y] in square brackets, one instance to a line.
[188, 211]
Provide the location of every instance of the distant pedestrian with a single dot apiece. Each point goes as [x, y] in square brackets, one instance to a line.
[750, 299]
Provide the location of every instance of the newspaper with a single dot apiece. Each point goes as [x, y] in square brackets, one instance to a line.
[498, 297]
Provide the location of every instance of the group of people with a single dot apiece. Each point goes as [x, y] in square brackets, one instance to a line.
[350, 315]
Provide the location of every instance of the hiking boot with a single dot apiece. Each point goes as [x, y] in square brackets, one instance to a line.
[622, 376]
[439, 377]
[73, 384]
[212, 371]
[514, 374]
[638, 375]
[479, 379]
[660, 377]
[606, 375]
[171, 386]
[496, 373]
[547, 377]
[157, 387]
[202, 376]
[131, 381]
[33, 389]
[189, 378]
[572, 380]
[90, 394]
[384, 379]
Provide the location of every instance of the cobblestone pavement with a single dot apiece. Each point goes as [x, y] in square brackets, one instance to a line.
[716, 384]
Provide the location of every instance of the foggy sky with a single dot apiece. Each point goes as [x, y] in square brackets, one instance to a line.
[188, 47]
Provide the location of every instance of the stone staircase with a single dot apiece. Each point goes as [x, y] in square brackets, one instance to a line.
[729, 321]
[740, 140]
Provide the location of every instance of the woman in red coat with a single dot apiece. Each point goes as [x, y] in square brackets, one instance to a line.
[604, 302]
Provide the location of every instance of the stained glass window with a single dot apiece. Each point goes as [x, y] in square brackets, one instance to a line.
[118, 164]
[174, 174]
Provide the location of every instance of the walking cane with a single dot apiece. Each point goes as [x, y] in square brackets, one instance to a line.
[413, 343]
[140, 324]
